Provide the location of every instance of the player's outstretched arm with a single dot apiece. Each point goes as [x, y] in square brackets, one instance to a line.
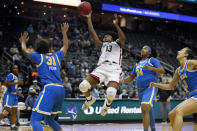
[128, 79]
[121, 34]
[95, 37]
[159, 70]
[24, 39]
[170, 86]
[64, 28]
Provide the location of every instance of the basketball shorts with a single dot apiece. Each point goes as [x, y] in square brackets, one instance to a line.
[108, 73]
[10, 100]
[147, 95]
[50, 99]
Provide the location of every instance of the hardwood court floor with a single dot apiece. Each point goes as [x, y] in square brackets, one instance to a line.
[188, 126]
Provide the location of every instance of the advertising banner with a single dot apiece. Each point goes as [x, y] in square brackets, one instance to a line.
[120, 110]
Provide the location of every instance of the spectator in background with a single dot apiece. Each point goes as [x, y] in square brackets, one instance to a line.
[101, 93]
[21, 99]
[94, 92]
[30, 48]
[176, 95]
[164, 100]
[30, 29]
[17, 58]
[35, 86]
[14, 49]
[29, 102]
[68, 87]
[134, 95]
[124, 94]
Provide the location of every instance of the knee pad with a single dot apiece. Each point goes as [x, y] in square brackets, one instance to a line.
[84, 86]
[111, 93]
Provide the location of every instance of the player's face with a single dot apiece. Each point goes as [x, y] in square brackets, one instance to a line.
[107, 38]
[145, 51]
[15, 69]
[181, 54]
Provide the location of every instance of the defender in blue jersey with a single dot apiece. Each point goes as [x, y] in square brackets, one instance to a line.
[50, 100]
[11, 96]
[146, 72]
[187, 72]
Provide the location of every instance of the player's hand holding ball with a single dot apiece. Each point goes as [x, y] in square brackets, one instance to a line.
[85, 9]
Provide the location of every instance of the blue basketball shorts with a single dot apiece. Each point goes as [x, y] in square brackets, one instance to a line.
[50, 99]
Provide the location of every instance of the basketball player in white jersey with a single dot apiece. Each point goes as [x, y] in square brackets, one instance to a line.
[108, 68]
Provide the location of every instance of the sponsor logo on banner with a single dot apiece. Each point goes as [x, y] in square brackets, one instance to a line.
[118, 110]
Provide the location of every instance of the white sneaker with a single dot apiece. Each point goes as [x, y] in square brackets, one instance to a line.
[88, 103]
[105, 108]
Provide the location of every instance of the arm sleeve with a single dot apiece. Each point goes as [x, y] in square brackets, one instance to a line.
[155, 62]
[34, 56]
[60, 55]
[9, 77]
[134, 70]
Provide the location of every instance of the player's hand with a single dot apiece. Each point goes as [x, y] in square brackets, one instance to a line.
[29, 108]
[20, 95]
[24, 37]
[88, 16]
[152, 84]
[115, 21]
[20, 82]
[147, 67]
[64, 27]
[168, 100]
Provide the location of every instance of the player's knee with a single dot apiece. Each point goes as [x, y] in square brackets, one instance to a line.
[145, 107]
[5, 113]
[171, 114]
[111, 93]
[84, 86]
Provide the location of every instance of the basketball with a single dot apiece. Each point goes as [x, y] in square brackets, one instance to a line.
[85, 8]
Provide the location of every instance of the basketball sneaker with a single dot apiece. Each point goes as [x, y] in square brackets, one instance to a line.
[105, 108]
[88, 103]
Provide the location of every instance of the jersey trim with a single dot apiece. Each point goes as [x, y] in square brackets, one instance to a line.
[114, 82]
[96, 77]
[41, 61]
[120, 59]
[150, 62]
[58, 59]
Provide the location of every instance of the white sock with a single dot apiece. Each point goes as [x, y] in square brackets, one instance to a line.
[13, 125]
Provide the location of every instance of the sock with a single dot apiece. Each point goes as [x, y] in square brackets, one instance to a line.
[13, 125]
[89, 98]
[52, 123]
[35, 121]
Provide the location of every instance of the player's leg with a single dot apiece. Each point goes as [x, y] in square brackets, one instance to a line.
[146, 104]
[152, 119]
[4, 113]
[35, 121]
[13, 118]
[187, 107]
[111, 94]
[59, 99]
[52, 123]
[6, 107]
[94, 78]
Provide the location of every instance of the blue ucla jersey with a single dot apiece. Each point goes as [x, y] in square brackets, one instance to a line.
[145, 76]
[189, 78]
[11, 77]
[48, 66]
